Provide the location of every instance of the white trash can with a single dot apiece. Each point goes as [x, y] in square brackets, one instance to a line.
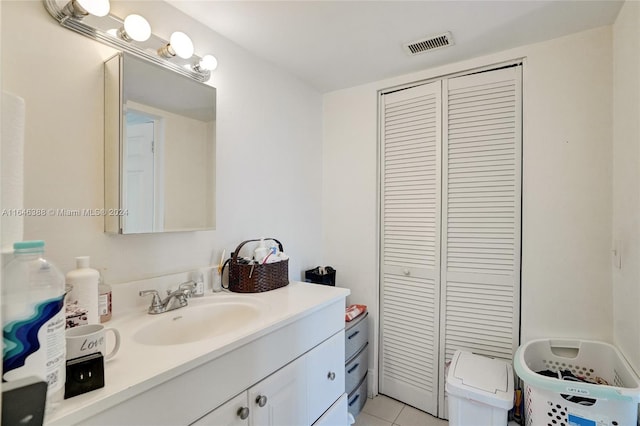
[480, 390]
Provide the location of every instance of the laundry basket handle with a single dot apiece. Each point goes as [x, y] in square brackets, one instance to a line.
[565, 348]
[565, 343]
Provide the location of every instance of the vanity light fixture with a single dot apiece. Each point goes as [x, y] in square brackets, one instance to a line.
[81, 8]
[135, 28]
[92, 19]
[207, 63]
[179, 44]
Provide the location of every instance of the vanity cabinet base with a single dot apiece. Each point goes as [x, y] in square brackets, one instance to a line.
[297, 394]
[196, 392]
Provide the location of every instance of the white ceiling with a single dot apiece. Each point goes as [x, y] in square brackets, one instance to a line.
[336, 44]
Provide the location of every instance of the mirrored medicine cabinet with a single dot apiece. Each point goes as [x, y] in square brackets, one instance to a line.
[159, 149]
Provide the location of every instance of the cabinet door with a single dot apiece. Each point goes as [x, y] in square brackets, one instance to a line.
[234, 412]
[337, 415]
[325, 369]
[281, 399]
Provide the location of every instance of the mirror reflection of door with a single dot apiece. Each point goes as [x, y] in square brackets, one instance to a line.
[141, 165]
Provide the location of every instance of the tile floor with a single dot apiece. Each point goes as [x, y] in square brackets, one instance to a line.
[385, 411]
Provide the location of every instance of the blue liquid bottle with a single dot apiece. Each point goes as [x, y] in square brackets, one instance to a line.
[33, 320]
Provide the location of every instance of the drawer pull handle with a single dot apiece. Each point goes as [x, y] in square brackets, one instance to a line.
[354, 400]
[349, 371]
[243, 413]
[407, 272]
[331, 376]
[261, 400]
[353, 335]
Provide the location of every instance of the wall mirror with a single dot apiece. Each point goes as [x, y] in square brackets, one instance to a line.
[159, 149]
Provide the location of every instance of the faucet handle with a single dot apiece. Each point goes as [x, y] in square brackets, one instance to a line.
[187, 285]
[187, 288]
[156, 302]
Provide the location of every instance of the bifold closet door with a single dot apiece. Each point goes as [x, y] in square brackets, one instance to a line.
[411, 123]
[481, 216]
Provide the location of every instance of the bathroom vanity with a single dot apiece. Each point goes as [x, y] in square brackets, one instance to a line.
[226, 359]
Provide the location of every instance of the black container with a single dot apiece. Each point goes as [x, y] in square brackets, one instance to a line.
[314, 276]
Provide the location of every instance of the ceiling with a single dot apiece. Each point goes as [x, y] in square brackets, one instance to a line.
[337, 44]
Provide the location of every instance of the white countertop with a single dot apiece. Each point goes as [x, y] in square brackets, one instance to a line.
[138, 367]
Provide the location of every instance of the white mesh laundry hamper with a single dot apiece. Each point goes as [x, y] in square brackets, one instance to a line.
[552, 402]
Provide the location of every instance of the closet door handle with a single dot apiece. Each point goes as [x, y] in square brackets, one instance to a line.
[331, 376]
[407, 272]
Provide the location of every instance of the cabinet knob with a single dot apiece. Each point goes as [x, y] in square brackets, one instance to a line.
[243, 413]
[261, 400]
[407, 272]
[331, 376]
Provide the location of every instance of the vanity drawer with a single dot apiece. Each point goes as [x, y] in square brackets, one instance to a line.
[356, 369]
[356, 335]
[357, 398]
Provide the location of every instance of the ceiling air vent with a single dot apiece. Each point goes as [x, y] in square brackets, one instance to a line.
[430, 43]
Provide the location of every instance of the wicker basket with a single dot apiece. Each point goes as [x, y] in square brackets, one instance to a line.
[256, 278]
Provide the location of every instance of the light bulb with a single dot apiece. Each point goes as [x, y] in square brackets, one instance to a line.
[181, 45]
[135, 28]
[208, 62]
[95, 7]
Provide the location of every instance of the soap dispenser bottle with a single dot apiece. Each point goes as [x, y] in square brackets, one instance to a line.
[84, 282]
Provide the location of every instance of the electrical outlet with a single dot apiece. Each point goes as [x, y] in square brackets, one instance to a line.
[84, 374]
[617, 255]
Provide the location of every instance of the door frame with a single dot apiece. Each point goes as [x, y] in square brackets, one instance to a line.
[158, 160]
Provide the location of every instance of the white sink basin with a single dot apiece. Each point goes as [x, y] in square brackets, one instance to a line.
[202, 319]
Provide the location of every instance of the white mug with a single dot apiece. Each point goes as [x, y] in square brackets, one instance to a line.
[90, 338]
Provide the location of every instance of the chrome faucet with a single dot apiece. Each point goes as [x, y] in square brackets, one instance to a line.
[175, 299]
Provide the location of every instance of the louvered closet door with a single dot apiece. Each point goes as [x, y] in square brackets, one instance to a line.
[481, 215]
[411, 145]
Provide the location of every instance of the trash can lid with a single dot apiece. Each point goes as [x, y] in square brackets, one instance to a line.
[482, 379]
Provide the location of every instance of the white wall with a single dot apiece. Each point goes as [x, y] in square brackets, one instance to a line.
[186, 160]
[566, 273]
[626, 180]
[268, 147]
